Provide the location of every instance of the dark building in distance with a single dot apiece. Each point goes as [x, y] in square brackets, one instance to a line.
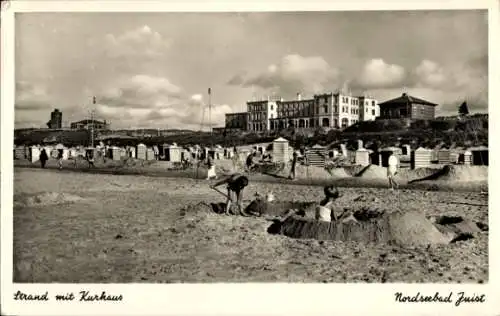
[407, 107]
[87, 124]
[55, 120]
[236, 121]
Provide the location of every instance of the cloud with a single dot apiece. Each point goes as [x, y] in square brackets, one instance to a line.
[236, 80]
[377, 74]
[140, 92]
[430, 74]
[142, 42]
[292, 74]
[468, 81]
[447, 86]
[147, 101]
[478, 62]
[31, 97]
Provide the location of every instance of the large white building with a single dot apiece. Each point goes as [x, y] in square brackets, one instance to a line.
[261, 113]
[328, 110]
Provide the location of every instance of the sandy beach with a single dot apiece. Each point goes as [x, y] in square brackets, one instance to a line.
[72, 226]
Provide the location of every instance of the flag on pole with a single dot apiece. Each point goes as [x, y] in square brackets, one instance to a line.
[209, 91]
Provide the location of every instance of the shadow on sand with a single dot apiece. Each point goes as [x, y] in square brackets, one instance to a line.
[440, 172]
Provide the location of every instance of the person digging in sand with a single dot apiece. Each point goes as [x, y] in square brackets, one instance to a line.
[249, 161]
[236, 183]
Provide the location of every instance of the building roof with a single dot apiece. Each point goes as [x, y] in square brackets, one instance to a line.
[405, 99]
[237, 113]
[87, 121]
[296, 101]
[326, 94]
[280, 139]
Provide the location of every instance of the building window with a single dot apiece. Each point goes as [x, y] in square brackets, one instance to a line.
[326, 108]
[271, 107]
[373, 112]
[345, 122]
[373, 103]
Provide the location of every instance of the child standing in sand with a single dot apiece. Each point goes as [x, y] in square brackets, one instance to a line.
[392, 170]
[211, 168]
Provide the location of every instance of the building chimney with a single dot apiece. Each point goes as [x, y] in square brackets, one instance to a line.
[299, 96]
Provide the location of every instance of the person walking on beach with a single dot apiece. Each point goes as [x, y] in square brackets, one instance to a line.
[236, 183]
[43, 157]
[392, 170]
[60, 158]
[90, 157]
[294, 164]
[156, 152]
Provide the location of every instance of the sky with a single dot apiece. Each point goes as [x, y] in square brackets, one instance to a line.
[153, 70]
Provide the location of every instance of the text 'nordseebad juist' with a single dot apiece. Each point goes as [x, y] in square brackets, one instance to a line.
[458, 299]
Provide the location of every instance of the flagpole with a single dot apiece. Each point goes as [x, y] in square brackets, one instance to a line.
[210, 110]
[210, 115]
[92, 120]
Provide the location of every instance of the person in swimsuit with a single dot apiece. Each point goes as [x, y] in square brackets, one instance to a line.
[236, 183]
